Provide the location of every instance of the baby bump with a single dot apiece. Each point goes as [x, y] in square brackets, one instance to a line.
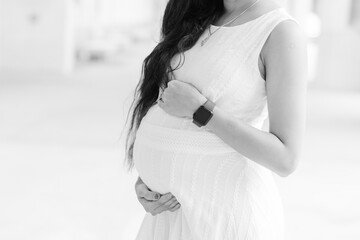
[215, 185]
[158, 152]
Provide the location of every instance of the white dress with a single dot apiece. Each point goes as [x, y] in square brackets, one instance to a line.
[223, 195]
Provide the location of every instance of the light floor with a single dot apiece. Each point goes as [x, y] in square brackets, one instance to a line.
[61, 172]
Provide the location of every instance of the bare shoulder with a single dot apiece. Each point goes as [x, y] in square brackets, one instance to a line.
[287, 36]
[285, 55]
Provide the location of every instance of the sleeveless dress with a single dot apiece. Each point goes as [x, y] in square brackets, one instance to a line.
[223, 195]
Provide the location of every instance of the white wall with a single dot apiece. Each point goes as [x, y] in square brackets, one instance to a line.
[36, 35]
[114, 12]
[339, 49]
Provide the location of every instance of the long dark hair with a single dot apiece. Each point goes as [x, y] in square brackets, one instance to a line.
[183, 23]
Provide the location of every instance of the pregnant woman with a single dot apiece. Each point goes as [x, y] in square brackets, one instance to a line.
[196, 136]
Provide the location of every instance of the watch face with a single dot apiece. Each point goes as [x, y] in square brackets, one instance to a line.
[202, 116]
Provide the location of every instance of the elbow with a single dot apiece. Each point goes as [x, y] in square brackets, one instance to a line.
[288, 166]
[286, 171]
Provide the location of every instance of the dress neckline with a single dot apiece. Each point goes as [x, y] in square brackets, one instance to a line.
[250, 21]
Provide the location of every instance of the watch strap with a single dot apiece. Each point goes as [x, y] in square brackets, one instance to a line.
[209, 105]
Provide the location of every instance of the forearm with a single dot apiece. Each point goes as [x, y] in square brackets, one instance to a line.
[262, 147]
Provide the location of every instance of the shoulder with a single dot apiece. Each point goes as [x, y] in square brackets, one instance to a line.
[286, 36]
[287, 40]
[287, 30]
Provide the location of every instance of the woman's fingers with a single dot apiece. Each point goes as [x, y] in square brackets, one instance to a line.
[153, 202]
[143, 191]
[151, 196]
[170, 205]
[170, 202]
[164, 207]
[164, 199]
[173, 204]
[177, 206]
[151, 206]
[159, 210]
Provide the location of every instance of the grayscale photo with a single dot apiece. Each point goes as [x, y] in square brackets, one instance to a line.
[179, 120]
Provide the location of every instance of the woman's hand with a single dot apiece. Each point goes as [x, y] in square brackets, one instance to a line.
[154, 202]
[181, 99]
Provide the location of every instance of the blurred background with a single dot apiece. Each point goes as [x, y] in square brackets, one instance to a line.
[67, 72]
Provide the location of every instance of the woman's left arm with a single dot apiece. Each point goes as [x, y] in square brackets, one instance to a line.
[285, 58]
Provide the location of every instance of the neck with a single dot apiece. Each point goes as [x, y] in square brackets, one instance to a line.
[234, 5]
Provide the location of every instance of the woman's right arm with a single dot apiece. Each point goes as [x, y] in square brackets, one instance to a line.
[154, 202]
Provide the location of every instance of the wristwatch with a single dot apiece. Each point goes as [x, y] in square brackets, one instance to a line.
[203, 114]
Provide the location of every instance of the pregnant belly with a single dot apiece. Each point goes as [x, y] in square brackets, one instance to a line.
[153, 167]
[157, 148]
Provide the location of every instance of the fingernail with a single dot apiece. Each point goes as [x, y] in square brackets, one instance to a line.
[157, 196]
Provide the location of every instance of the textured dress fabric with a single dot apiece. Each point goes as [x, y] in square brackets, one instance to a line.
[223, 195]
